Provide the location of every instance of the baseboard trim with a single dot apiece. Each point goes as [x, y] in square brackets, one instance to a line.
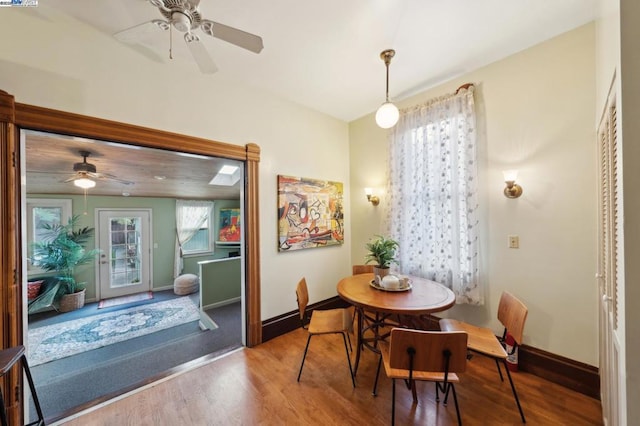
[575, 375]
[566, 372]
[221, 303]
[289, 321]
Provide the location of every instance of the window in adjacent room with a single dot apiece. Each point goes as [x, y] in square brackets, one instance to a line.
[201, 242]
[43, 213]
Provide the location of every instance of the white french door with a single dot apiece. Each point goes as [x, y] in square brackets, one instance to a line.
[124, 238]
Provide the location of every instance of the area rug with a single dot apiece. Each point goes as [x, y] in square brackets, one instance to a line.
[61, 340]
[115, 301]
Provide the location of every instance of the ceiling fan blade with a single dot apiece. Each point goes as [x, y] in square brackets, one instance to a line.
[75, 176]
[142, 32]
[200, 54]
[107, 176]
[232, 35]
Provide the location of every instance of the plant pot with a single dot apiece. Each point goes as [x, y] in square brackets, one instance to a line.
[73, 301]
[33, 289]
[381, 272]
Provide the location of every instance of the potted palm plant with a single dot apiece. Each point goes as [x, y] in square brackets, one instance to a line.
[61, 250]
[382, 250]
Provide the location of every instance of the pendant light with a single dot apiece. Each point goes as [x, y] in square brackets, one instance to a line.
[388, 114]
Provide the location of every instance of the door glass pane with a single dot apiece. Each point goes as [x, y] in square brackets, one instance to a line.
[125, 251]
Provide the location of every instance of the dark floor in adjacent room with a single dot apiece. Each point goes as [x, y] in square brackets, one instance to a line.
[68, 384]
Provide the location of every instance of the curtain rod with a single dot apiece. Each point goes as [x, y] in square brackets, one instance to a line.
[464, 86]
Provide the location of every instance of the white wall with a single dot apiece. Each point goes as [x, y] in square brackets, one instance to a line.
[536, 112]
[617, 38]
[52, 61]
[630, 109]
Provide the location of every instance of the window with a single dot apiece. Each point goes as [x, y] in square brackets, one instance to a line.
[201, 242]
[433, 191]
[194, 226]
[40, 213]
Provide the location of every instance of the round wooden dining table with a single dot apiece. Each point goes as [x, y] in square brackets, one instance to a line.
[423, 298]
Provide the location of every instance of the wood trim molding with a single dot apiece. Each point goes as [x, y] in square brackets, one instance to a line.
[252, 240]
[571, 374]
[10, 240]
[50, 120]
[15, 116]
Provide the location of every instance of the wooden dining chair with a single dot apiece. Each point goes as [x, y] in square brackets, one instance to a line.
[330, 321]
[362, 269]
[512, 313]
[431, 356]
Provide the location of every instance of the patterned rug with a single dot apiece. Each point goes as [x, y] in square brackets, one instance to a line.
[61, 340]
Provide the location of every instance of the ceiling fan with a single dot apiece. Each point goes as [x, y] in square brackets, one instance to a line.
[184, 16]
[86, 172]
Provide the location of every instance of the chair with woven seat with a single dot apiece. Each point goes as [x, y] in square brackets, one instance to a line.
[512, 313]
[330, 321]
[431, 356]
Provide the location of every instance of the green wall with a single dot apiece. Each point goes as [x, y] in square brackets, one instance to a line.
[220, 281]
[163, 228]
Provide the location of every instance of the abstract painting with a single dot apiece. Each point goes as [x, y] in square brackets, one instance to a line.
[229, 225]
[310, 213]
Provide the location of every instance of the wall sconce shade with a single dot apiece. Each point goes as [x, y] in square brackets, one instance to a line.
[373, 199]
[512, 190]
[388, 114]
[84, 183]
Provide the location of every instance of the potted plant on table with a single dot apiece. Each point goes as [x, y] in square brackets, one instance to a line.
[61, 250]
[382, 250]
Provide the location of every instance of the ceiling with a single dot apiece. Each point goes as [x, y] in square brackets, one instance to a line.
[325, 54]
[50, 159]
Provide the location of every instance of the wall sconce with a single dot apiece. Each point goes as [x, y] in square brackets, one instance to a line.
[373, 199]
[512, 190]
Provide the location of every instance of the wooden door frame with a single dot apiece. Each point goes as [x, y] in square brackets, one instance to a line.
[16, 116]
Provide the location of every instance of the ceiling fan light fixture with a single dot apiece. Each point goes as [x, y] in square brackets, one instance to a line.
[388, 114]
[181, 21]
[84, 183]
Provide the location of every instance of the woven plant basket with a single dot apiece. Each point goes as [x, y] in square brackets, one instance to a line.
[33, 289]
[71, 302]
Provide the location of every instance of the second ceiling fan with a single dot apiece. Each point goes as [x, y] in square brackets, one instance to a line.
[185, 17]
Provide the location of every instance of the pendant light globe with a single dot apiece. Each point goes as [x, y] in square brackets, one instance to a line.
[387, 115]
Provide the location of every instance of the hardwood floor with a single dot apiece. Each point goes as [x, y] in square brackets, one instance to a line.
[258, 386]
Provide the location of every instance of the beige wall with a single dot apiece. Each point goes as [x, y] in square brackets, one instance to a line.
[536, 114]
[65, 65]
[538, 107]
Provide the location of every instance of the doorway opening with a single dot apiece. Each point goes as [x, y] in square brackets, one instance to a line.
[134, 225]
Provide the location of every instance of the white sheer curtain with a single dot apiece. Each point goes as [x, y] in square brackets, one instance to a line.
[432, 189]
[190, 216]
